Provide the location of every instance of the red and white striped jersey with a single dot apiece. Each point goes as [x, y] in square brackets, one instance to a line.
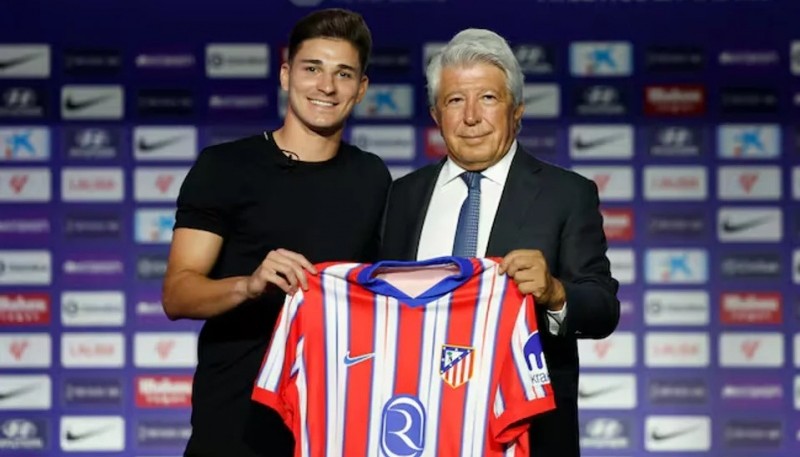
[357, 367]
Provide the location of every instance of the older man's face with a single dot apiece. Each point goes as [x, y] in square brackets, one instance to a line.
[475, 114]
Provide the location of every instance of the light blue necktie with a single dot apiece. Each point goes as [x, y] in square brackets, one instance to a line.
[466, 242]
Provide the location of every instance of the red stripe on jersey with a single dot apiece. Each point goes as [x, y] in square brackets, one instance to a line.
[409, 331]
[463, 306]
[313, 325]
[359, 375]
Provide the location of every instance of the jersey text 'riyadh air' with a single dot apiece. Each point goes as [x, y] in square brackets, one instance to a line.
[356, 367]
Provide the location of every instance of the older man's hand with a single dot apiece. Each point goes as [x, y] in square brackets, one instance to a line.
[528, 268]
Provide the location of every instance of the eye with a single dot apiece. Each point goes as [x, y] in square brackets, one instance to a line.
[452, 100]
[489, 97]
[345, 74]
[311, 69]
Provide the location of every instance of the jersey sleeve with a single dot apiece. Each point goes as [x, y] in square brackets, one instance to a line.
[274, 386]
[523, 389]
[204, 201]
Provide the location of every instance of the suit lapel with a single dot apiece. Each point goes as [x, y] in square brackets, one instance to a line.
[519, 193]
[422, 195]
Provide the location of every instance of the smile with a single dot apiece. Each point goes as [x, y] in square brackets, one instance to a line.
[322, 103]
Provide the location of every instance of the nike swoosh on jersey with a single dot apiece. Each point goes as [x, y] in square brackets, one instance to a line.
[580, 143]
[4, 64]
[144, 146]
[669, 435]
[73, 105]
[732, 227]
[16, 392]
[350, 361]
[72, 436]
[598, 392]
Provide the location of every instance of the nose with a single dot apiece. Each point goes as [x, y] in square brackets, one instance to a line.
[325, 83]
[472, 113]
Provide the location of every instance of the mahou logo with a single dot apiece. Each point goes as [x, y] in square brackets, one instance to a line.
[163, 391]
[24, 309]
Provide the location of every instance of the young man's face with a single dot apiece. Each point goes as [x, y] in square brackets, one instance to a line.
[324, 82]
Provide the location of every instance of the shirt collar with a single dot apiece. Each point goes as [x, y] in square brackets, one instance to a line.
[497, 173]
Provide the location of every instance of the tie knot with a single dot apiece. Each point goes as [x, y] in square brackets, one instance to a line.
[472, 179]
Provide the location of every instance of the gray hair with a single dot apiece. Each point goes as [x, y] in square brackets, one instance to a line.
[472, 46]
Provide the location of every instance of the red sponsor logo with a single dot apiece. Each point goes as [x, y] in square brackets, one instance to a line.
[602, 180]
[751, 308]
[24, 309]
[17, 348]
[618, 224]
[676, 182]
[92, 184]
[675, 100]
[163, 182]
[164, 391]
[17, 183]
[89, 351]
[164, 348]
[747, 181]
[435, 148]
[749, 348]
[601, 348]
[677, 349]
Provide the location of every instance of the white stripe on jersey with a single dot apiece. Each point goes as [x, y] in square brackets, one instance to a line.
[511, 450]
[337, 319]
[483, 340]
[518, 338]
[384, 366]
[430, 384]
[499, 403]
[302, 394]
[270, 375]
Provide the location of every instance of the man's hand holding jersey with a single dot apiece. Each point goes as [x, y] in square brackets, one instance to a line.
[283, 268]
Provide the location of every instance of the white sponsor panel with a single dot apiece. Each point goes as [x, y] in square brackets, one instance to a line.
[749, 141]
[796, 351]
[25, 350]
[24, 185]
[796, 382]
[389, 142]
[160, 143]
[92, 102]
[749, 182]
[601, 141]
[237, 60]
[399, 172]
[617, 350]
[83, 184]
[158, 184]
[600, 58]
[677, 349]
[613, 183]
[676, 307]
[676, 266]
[796, 266]
[429, 50]
[24, 144]
[92, 308]
[746, 350]
[25, 267]
[682, 183]
[541, 101]
[623, 264]
[794, 57]
[92, 350]
[33, 392]
[161, 350]
[606, 391]
[25, 61]
[386, 101]
[677, 433]
[92, 433]
[750, 224]
[154, 226]
[796, 183]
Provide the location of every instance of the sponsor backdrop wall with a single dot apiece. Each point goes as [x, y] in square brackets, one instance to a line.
[682, 112]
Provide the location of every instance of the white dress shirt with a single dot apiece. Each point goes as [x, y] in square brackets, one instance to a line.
[441, 220]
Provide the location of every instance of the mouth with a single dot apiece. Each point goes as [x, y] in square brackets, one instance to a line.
[322, 103]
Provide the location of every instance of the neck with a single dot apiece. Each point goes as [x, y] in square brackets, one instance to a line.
[309, 145]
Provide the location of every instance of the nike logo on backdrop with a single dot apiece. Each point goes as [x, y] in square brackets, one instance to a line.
[657, 436]
[144, 146]
[72, 436]
[596, 393]
[4, 64]
[580, 143]
[17, 392]
[733, 227]
[73, 105]
[350, 361]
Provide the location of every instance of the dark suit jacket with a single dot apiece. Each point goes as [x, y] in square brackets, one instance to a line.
[554, 210]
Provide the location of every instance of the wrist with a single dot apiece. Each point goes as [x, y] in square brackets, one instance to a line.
[559, 297]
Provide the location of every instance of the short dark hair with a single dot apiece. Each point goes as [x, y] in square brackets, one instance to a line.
[334, 23]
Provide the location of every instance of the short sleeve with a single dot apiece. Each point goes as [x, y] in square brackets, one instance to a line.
[523, 389]
[274, 386]
[204, 201]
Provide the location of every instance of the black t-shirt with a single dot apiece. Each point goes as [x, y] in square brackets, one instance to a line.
[257, 200]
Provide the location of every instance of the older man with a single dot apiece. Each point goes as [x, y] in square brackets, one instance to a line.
[490, 198]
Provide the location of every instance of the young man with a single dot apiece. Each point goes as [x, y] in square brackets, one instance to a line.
[255, 214]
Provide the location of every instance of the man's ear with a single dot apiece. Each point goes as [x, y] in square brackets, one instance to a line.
[363, 85]
[435, 115]
[284, 76]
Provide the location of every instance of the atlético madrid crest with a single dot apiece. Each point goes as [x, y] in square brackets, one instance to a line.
[457, 364]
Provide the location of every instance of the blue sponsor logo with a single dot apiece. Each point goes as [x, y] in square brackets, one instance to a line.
[403, 427]
[21, 434]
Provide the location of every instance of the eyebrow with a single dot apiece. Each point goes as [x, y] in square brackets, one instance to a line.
[341, 66]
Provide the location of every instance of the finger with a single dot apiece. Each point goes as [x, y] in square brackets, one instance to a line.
[299, 258]
[281, 270]
[522, 263]
[275, 278]
[293, 271]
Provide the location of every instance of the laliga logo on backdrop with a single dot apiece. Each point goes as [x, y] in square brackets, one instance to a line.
[164, 348]
[163, 182]
[601, 348]
[748, 180]
[18, 182]
[749, 348]
[17, 348]
[602, 180]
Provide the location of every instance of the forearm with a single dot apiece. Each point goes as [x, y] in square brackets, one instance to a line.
[190, 295]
